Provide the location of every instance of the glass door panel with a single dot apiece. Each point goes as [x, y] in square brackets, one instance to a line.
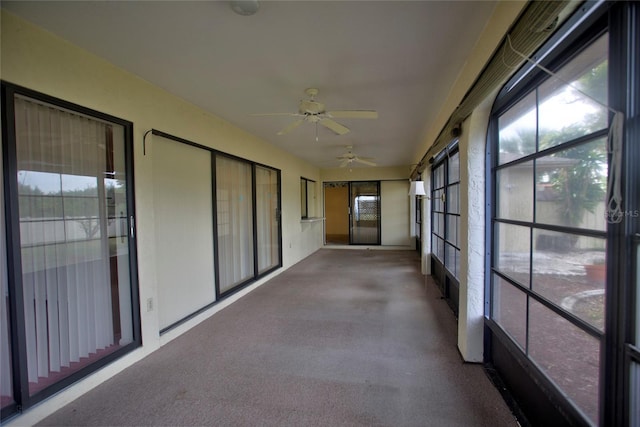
[365, 213]
[268, 218]
[73, 222]
[234, 222]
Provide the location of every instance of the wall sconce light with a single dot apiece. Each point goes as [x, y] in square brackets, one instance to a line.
[417, 189]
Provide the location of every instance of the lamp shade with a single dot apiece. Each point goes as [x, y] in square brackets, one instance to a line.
[417, 188]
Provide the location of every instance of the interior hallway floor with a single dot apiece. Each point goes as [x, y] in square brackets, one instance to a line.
[343, 338]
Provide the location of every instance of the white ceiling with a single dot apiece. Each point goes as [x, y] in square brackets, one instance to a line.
[400, 58]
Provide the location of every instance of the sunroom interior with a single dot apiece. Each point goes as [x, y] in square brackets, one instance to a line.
[161, 160]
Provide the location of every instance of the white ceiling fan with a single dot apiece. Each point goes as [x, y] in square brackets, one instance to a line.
[350, 157]
[312, 111]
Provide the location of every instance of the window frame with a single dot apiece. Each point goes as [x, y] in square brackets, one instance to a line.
[443, 272]
[622, 312]
[304, 196]
[523, 89]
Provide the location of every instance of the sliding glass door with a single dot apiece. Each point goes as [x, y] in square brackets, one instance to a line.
[247, 221]
[217, 223]
[68, 288]
[365, 213]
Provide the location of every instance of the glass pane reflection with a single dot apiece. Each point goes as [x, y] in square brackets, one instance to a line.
[509, 310]
[517, 129]
[571, 186]
[565, 113]
[513, 257]
[515, 192]
[567, 354]
[570, 270]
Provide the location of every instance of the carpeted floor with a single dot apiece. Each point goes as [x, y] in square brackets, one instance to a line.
[344, 338]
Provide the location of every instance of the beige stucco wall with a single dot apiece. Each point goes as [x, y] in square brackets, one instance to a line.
[34, 58]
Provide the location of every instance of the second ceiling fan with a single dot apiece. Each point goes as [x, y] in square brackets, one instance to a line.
[349, 158]
[312, 111]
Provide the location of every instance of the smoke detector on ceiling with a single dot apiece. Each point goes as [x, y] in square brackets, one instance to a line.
[246, 7]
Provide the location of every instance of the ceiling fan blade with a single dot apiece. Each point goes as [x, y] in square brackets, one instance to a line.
[353, 114]
[365, 162]
[291, 127]
[344, 163]
[334, 126]
[275, 114]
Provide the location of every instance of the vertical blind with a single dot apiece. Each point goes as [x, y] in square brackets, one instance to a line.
[267, 218]
[234, 199]
[65, 165]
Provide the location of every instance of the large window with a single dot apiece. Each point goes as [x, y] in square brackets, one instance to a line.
[445, 208]
[549, 242]
[69, 289]
[562, 279]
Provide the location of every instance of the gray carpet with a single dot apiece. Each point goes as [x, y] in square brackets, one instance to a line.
[344, 338]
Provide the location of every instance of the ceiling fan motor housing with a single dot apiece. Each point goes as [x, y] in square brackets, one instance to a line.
[308, 106]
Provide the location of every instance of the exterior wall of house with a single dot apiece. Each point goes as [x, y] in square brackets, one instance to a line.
[33, 58]
[395, 214]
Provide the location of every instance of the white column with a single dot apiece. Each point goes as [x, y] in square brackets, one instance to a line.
[472, 234]
[426, 224]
